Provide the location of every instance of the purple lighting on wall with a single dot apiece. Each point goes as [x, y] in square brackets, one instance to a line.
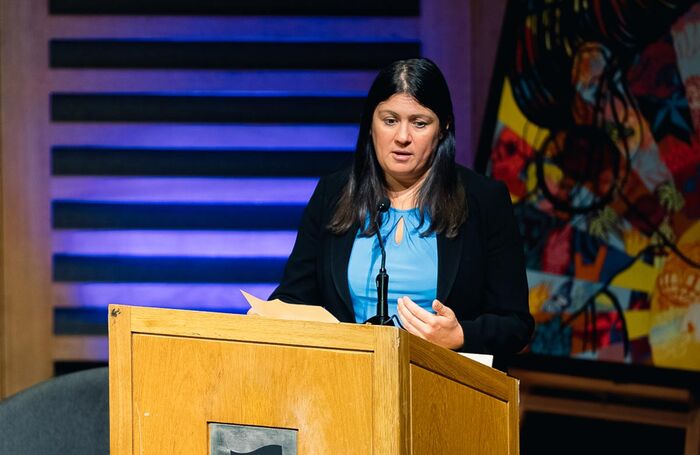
[228, 137]
[210, 297]
[175, 243]
[241, 28]
[187, 135]
[177, 189]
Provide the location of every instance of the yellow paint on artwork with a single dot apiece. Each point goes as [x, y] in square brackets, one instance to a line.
[675, 308]
[552, 175]
[634, 241]
[672, 344]
[639, 277]
[691, 235]
[637, 323]
[509, 114]
[538, 295]
[604, 302]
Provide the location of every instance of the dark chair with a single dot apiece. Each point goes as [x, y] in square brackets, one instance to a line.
[64, 415]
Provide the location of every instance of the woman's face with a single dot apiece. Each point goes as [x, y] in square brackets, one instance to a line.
[405, 135]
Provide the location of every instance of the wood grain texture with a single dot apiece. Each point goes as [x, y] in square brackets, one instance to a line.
[253, 329]
[692, 433]
[449, 418]
[25, 311]
[389, 388]
[120, 380]
[461, 369]
[180, 384]
[514, 418]
[346, 388]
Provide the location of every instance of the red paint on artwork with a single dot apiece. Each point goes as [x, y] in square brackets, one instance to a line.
[556, 255]
[509, 158]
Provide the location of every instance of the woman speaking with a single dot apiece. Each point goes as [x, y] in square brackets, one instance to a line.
[453, 250]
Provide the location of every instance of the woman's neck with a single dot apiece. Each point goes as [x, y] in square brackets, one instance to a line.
[404, 195]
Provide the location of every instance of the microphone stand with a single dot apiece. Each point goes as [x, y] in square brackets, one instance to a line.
[382, 280]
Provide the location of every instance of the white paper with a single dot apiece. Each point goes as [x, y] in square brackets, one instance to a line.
[277, 309]
[484, 359]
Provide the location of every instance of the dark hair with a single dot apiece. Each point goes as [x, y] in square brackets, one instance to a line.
[441, 194]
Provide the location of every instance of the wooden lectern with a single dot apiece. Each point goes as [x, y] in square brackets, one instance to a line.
[345, 388]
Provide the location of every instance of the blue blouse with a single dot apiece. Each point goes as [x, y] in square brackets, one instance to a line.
[410, 264]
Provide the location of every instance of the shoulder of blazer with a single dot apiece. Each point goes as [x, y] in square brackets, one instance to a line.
[335, 182]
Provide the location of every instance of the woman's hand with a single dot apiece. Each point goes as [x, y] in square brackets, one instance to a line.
[442, 328]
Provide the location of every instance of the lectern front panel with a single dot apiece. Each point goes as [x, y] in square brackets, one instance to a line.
[181, 384]
[451, 418]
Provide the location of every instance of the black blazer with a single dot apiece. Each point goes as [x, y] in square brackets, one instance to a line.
[481, 272]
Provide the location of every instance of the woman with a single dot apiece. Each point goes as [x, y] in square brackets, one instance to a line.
[454, 254]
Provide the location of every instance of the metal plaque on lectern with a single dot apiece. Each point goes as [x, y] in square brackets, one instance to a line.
[227, 439]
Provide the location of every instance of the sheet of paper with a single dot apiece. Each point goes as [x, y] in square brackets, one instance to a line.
[277, 309]
[484, 359]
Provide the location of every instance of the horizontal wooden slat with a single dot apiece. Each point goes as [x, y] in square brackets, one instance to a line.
[210, 81]
[212, 135]
[531, 379]
[609, 371]
[239, 7]
[104, 53]
[243, 28]
[72, 107]
[95, 215]
[605, 411]
[175, 243]
[166, 269]
[74, 160]
[206, 296]
[184, 189]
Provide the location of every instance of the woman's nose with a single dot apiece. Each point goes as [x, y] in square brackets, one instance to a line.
[403, 136]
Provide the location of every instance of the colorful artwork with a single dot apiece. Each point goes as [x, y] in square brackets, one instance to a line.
[596, 131]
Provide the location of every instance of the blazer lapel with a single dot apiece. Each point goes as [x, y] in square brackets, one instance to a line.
[449, 254]
[341, 247]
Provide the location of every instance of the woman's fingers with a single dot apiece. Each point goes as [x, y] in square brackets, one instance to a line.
[405, 322]
[443, 310]
[441, 328]
[408, 318]
[421, 314]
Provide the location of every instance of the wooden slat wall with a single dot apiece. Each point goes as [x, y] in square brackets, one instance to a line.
[84, 129]
[165, 130]
[25, 310]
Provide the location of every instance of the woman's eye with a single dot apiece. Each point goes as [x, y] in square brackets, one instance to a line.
[420, 124]
[389, 121]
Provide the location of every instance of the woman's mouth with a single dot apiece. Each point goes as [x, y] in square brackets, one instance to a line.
[401, 155]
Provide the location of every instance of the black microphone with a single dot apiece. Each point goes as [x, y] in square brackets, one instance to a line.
[382, 316]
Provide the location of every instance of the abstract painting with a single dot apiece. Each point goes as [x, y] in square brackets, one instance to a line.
[594, 126]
